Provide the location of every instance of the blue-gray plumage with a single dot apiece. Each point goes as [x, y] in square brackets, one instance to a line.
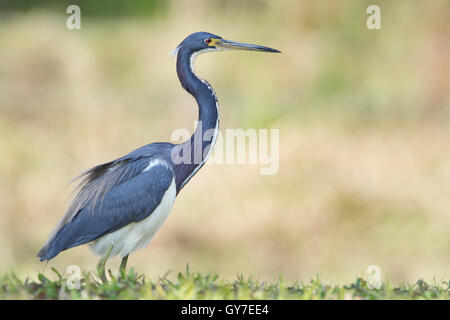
[125, 194]
[121, 204]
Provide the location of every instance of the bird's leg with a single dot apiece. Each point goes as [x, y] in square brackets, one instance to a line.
[123, 265]
[101, 265]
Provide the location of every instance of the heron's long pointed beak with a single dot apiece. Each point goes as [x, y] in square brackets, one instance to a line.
[228, 44]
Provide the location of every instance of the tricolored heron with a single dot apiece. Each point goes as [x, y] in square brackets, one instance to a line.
[121, 204]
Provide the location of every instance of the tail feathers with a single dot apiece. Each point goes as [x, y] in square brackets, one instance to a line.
[47, 252]
[59, 242]
[66, 238]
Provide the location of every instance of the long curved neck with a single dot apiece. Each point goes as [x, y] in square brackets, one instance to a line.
[194, 152]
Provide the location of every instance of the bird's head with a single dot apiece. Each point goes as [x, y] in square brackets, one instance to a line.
[201, 42]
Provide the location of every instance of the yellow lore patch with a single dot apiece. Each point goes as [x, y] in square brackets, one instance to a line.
[213, 42]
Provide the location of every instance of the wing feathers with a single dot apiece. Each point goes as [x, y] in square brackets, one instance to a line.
[110, 196]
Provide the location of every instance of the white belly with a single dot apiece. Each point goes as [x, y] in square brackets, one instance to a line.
[136, 235]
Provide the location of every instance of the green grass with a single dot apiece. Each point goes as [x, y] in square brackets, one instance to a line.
[190, 285]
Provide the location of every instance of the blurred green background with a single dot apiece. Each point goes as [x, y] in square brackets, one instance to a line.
[364, 119]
